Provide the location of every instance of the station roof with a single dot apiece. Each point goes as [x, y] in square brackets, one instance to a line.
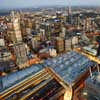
[16, 77]
[69, 66]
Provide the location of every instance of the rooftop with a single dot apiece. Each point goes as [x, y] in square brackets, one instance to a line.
[69, 66]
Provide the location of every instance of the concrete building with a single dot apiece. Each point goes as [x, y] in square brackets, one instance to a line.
[59, 44]
[20, 51]
[16, 28]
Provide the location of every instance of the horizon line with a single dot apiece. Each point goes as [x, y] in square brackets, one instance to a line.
[40, 6]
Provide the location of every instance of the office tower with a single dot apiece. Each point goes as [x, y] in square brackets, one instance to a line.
[59, 15]
[34, 42]
[47, 28]
[69, 14]
[20, 50]
[23, 27]
[68, 44]
[29, 26]
[87, 24]
[63, 32]
[2, 42]
[75, 40]
[37, 25]
[59, 44]
[78, 22]
[15, 32]
[42, 34]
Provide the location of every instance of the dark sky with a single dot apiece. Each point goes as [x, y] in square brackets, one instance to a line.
[35, 3]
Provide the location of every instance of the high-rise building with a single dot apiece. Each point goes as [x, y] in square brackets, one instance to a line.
[2, 42]
[29, 26]
[34, 43]
[87, 24]
[69, 14]
[17, 30]
[20, 50]
[14, 30]
[47, 28]
[63, 32]
[68, 44]
[59, 44]
[43, 34]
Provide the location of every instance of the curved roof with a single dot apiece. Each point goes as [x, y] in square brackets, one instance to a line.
[15, 77]
[69, 66]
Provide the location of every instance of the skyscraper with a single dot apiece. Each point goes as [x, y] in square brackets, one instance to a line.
[16, 34]
[69, 13]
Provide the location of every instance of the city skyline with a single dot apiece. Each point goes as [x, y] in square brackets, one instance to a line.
[49, 50]
[37, 3]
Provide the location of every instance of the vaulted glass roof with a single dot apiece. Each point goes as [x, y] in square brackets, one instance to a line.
[16, 77]
[69, 66]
